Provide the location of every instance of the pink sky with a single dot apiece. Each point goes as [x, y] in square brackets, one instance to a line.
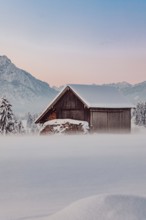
[68, 66]
[74, 41]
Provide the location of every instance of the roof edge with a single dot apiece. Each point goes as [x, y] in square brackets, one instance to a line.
[51, 103]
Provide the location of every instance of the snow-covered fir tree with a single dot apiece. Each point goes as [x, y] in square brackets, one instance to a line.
[6, 117]
[8, 123]
[140, 114]
[29, 120]
[31, 127]
[19, 128]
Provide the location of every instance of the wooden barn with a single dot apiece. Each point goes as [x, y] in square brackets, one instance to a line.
[103, 107]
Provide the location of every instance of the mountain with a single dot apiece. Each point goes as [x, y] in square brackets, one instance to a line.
[28, 94]
[137, 92]
[121, 85]
[25, 92]
[134, 93]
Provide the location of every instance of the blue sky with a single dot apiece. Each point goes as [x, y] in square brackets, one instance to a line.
[76, 41]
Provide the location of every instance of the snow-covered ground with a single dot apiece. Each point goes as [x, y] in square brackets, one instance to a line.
[106, 207]
[40, 176]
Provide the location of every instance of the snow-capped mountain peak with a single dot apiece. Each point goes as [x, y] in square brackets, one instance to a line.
[4, 61]
[25, 92]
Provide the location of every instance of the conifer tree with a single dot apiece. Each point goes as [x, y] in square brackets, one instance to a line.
[6, 117]
[140, 114]
[18, 127]
[32, 128]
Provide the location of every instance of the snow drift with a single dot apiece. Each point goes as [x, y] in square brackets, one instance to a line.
[64, 126]
[40, 175]
[105, 207]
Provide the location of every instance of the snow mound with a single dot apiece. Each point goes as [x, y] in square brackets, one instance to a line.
[64, 126]
[105, 207]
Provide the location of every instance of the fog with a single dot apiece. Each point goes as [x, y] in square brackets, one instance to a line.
[40, 175]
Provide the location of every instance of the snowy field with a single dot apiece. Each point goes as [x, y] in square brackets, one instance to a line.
[92, 177]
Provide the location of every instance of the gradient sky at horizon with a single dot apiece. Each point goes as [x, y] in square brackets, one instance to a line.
[76, 41]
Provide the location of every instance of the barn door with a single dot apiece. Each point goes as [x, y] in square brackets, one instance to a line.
[99, 121]
[114, 122]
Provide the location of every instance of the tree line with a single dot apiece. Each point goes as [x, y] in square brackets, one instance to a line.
[10, 124]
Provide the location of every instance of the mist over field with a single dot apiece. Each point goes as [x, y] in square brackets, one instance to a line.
[40, 175]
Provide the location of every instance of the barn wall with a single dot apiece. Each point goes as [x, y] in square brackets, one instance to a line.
[70, 106]
[106, 120]
[101, 120]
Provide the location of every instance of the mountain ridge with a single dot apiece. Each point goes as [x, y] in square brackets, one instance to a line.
[29, 94]
[22, 89]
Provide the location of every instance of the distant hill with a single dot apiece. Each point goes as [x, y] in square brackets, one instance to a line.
[134, 93]
[28, 94]
[25, 92]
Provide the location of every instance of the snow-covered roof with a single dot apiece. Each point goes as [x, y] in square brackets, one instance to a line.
[96, 96]
[93, 96]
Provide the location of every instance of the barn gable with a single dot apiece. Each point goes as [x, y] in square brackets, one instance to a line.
[67, 104]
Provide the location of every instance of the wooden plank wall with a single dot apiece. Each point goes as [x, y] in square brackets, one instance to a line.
[109, 120]
[70, 106]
